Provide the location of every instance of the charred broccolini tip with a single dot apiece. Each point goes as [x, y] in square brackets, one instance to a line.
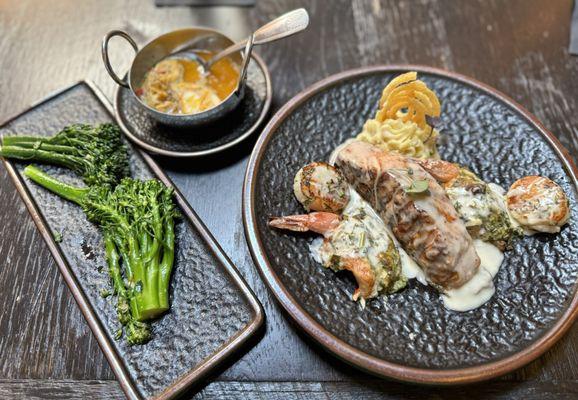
[96, 153]
[137, 219]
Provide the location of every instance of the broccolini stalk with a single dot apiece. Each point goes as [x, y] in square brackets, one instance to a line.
[137, 219]
[97, 153]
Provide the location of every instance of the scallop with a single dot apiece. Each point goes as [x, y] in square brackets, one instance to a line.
[321, 187]
[538, 204]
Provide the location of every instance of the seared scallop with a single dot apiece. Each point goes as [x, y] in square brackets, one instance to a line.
[320, 187]
[538, 204]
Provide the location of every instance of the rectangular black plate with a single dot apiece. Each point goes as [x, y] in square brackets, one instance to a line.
[213, 311]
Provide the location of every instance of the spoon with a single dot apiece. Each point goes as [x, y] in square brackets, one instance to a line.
[286, 25]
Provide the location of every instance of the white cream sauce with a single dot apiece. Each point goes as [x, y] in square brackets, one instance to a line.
[480, 288]
[472, 208]
[409, 267]
[498, 195]
[535, 217]
[539, 205]
[361, 233]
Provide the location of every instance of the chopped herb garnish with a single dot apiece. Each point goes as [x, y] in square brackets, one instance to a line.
[419, 186]
[57, 237]
[362, 239]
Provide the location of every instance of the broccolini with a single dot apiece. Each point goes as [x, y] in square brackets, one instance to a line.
[96, 153]
[137, 219]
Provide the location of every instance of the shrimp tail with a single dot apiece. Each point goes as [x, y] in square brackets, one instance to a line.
[319, 222]
[296, 223]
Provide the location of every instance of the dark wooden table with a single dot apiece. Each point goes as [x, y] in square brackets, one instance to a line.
[47, 349]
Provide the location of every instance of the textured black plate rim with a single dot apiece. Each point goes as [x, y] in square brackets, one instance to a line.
[191, 154]
[318, 332]
[127, 385]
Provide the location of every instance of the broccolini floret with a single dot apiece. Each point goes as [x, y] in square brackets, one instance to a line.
[137, 220]
[96, 153]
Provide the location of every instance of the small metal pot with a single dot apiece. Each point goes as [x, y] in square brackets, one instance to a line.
[166, 45]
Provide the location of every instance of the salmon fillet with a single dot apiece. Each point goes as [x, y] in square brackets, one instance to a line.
[424, 222]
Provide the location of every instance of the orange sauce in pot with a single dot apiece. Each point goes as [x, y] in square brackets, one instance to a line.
[178, 86]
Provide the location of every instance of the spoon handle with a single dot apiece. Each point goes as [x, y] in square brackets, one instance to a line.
[286, 25]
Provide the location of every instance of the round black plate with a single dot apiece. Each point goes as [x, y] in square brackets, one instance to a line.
[410, 335]
[208, 139]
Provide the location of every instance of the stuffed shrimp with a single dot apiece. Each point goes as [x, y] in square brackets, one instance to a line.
[354, 238]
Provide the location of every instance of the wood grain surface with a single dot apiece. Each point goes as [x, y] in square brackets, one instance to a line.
[47, 350]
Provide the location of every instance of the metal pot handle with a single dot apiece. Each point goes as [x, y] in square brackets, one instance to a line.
[246, 61]
[104, 50]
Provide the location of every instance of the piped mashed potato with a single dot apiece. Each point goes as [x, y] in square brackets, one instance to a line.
[401, 137]
[402, 122]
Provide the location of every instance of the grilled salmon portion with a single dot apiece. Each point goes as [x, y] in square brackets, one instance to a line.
[416, 208]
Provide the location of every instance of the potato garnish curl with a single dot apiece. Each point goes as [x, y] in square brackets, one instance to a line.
[408, 99]
[402, 122]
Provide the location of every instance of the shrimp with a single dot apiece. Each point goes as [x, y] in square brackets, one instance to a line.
[442, 171]
[363, 274]
[319, 222]
[326, 223]
[320, 187]
[538, 204]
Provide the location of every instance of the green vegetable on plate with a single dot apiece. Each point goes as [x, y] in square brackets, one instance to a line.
[137, 219]
[96, 153]
[418, 186]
